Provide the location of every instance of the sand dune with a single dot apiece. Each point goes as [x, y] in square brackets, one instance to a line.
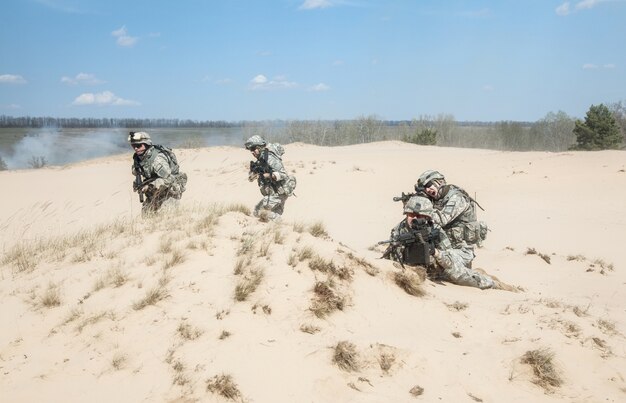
[209, 304]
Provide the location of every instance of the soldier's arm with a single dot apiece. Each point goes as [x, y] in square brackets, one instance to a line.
[278, 169]
[161, 168]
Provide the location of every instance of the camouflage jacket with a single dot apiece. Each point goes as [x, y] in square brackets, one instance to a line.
[154, 163]
[455, 212]
[270, 158]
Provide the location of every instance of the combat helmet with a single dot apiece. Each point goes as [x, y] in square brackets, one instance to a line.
[419, 205]
[254, 142]
[139, 138]
[429, 176]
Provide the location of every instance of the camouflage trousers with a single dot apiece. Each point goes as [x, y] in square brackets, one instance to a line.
[455, 264]
[158, 201]
[274, 204]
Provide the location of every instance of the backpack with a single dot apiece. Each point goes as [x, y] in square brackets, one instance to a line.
[171, 157]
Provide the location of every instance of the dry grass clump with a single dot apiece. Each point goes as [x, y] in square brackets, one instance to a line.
[327, 299]
[51, 297]
[22, 257]
[305, 253]
[410, 282]
[416, 391]
[224, 386]
[248, 284]
[298, 227]
[95, 318]
[188, 332]
[317, 263]
[386, 361]
[318, 230]
[225, 334]
[265, 308]
[577, 258]
[533, 251]
[546, 374]
[606, 326]
[310, 329]
[114, 277]
[457, 306]
[119, 361]
[345, 356]
[152, 296]
[247, 245]
[368, 267]
[176, 258]
[241, 264]
[264, 249]
[237, 207]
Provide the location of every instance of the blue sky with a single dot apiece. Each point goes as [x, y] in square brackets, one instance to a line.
[310, 59]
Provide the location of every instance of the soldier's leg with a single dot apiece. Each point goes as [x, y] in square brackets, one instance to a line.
[451, 261]
[273, 206]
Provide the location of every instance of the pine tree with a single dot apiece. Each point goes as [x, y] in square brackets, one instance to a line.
[599, 131]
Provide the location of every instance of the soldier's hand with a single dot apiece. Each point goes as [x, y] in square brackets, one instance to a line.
[252, 176]
[267, 175]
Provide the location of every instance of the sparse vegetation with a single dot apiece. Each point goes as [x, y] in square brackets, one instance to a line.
[118, 361]
[345, 356]
[386, 361]
[248, 284]
[546, 374]
[51, 297]
[188, 332]
[37, 162]
[311, 329]
[327, 299]
[224, 386]
[457, 306]
[176, 258]
[416, 391]
[318, 230]
[153, 296]
[225, 334]
[410, 282]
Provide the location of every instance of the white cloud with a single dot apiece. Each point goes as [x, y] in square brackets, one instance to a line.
[488, 88]
[12, 79]
[224, 81]
[10, 106]
[338, 63]
[123, 39]
[483, 13]
[82, 78]
[581, 5]
[260, 82]
[264, 53]
[313, 4]
[563, 9]
[105, 98]
[609, 66]
[319, 87]
[589, 66]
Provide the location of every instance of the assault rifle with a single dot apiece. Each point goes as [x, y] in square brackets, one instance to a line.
[419, 191]
[259, 168]
[414, 247]
[138, 185]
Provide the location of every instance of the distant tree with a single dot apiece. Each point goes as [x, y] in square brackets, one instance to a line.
[618, 109]
[3, 165]
[599, 131]
[554, 132]
[425, 136]
[514, 137]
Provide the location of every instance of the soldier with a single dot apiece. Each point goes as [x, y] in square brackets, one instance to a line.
[454, 211]
[274, 182]
[163, 184]
[449, 261]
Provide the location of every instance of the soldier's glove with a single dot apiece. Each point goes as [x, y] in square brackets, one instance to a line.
[252, 176]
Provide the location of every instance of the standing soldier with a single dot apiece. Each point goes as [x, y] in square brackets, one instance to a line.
[157, 174]
[274, 182]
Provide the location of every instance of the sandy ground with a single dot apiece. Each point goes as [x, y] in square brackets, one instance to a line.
[98, 304]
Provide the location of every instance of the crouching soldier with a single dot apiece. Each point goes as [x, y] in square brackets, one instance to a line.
[274, 182]
[158, 179]
[417, 240]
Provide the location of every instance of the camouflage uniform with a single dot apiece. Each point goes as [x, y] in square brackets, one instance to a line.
[279, 186]
[168, 187]
[452, 261]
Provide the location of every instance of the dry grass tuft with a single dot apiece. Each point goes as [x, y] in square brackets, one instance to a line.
[248, 284]
[310, 329]
[188, 332]
[93, 319]
[346, 357]
[225, 334]
[224, 386]
[318, 263]
[241, 264]
[327, 299]
[21, 257]
[51, 297]
[176, 258]
[546, 375]
[410, 282]
[247, 245]
[577, 258]
[457, 306]
[606, 326]
[318, 230]
[533, 251]
[368, 267]
[118, 361]
[153, 296]
[298, 227]
[237, 207]
[416, 391]
[386, 361]
[265, 308]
